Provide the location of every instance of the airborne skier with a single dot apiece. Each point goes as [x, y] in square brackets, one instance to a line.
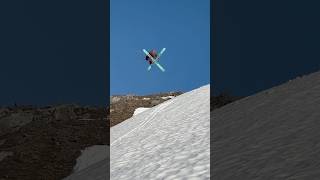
[152, 57]
[154, 54]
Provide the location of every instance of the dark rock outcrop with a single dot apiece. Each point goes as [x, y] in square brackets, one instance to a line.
[44, 143]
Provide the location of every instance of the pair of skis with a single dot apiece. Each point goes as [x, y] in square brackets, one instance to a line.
[155, 60]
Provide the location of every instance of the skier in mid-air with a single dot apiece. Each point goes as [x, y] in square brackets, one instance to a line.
[154, 54]
[153, 57]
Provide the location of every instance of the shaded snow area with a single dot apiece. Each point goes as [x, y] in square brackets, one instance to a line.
[97, 171]
[92, 164]
[90, 156]
[168, 141]
[274, 134]
[139, 110]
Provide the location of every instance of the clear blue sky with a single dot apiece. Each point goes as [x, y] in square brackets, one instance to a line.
[181, 26]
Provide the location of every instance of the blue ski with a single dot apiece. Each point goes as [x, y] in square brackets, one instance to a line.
[154, 60]
[161, 52]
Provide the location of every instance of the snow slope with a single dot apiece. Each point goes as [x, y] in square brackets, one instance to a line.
[274, 134]
[139, 110]
[97, 171]
[91, 155]
[93, 164]
[168, 141]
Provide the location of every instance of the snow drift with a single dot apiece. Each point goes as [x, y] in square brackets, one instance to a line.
[274, 134]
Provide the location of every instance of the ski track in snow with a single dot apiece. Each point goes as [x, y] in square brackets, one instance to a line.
[169, 141]
[147, 120]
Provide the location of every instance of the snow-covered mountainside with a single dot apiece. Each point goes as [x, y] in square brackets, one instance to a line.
[93, 164]
[168, 141]
[274, 134]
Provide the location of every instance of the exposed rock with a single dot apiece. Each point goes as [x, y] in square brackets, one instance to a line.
[115, 99]
[65, 112]
[4, 154]
[155, 102]
[123, 107]
[44, 143]
[14, 121]
[2, 142]
[4, 112]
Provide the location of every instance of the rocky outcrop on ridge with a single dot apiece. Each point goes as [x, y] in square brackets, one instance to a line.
[44, 143]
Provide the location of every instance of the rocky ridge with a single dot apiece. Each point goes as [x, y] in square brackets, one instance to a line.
[43, 143]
